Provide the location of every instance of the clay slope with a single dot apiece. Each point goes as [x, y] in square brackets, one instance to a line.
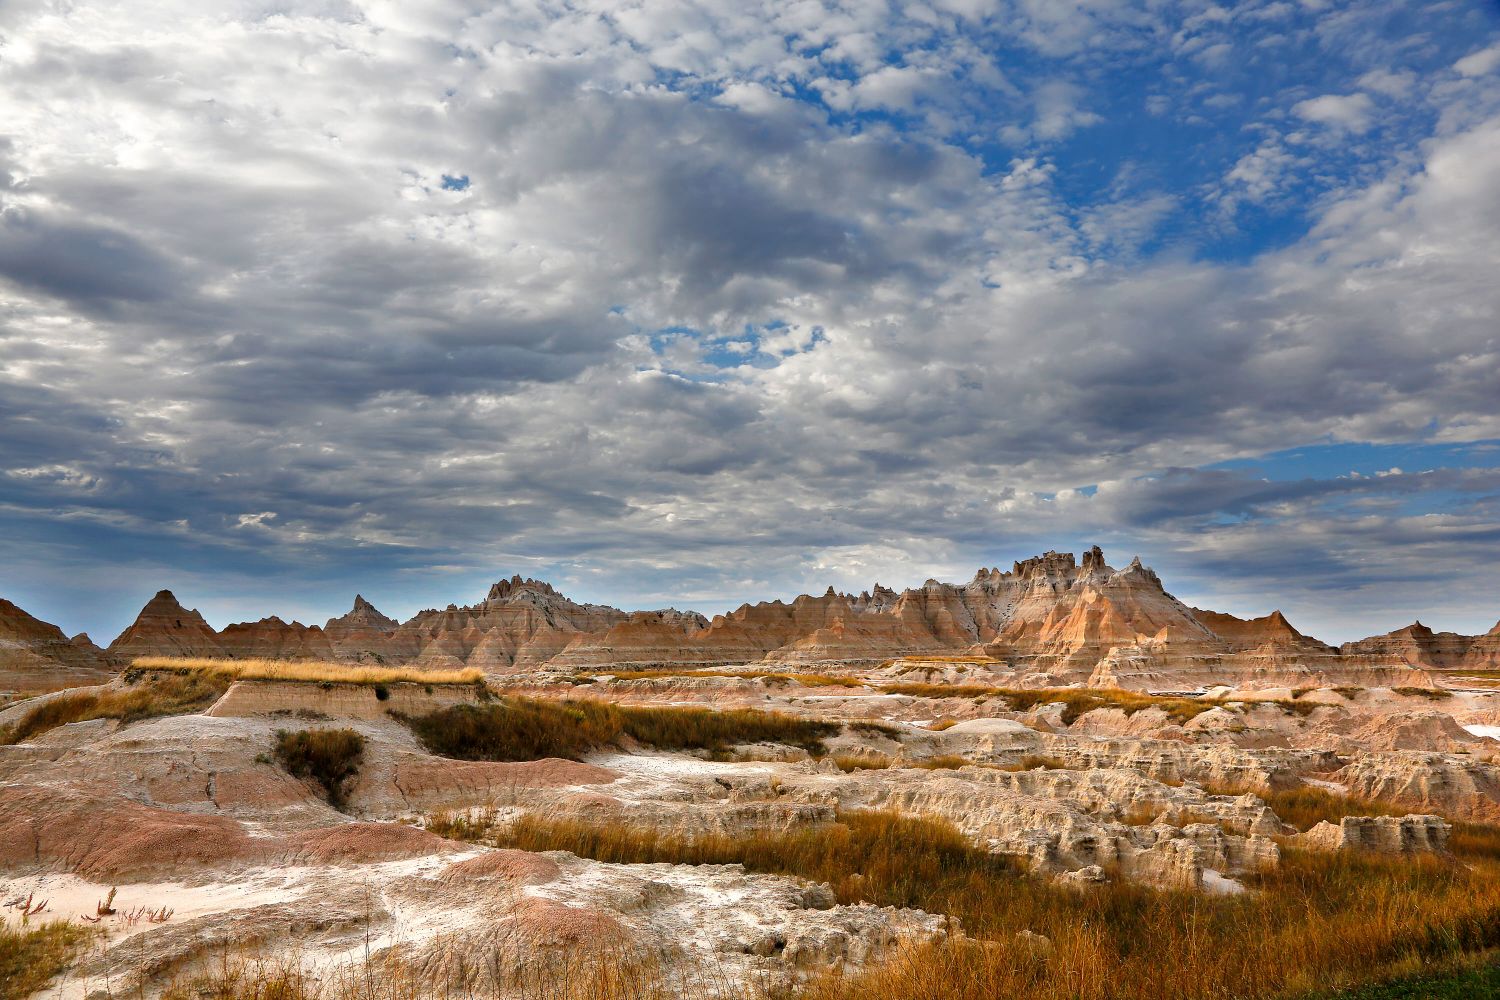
[36, 655]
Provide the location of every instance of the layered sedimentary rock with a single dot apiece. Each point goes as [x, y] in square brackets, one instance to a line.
[644, 638]
[165, 628]
[35, 655]
[1420, 646]
[273, 639]
[1048, 620]
[1387, 834]
[361, 634]
[1272, 631]
[1067, 616]
[520, 623]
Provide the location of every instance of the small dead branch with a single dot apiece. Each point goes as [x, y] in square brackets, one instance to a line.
[106, 908]
[159, 916]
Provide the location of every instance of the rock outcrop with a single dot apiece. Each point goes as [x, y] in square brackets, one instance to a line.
[521, 623]
[36, 655]
[1049, 620]
[361, 634]
[165, 628]
[1387, 834]
[273, 639]
[1443, 783]
[1420, 646]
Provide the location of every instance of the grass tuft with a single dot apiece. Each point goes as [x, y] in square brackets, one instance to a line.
[861, 762]
[1306, 806]
[1431, 694]
[942, 762]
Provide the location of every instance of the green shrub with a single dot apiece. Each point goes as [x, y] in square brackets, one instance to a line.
[331, 757]
[515, 728]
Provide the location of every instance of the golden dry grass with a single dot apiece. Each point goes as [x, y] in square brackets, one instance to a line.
[769, 676]
[1305, 806]
[309, 671]
[1320, 921]
[848, 762]
[942, 762]
[1077, 701]
[144, 696]
[30, 955]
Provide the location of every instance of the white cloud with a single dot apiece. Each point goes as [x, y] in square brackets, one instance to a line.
[1479, 63]
[1349, 112]
[1391, 84]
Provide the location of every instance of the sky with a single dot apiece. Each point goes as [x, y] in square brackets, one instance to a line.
[694, 303]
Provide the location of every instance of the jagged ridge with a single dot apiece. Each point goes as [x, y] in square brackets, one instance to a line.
[1060, 618]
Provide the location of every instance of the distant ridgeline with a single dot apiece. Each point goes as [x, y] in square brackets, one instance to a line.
[1051, 619]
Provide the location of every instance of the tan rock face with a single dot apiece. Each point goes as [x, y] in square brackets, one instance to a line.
[1241, 634]
[520, 623]
[249, 699]
[1387, 834]
[1463, 789]
[35, 655]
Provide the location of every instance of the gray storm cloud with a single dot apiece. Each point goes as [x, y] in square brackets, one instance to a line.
[235, 285]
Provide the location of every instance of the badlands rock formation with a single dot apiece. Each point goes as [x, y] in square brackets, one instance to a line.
[192, 813]
[993, 706]
[361, 634]
[1420, 646]
[36, 656]
[1048, 620]
[165, 628]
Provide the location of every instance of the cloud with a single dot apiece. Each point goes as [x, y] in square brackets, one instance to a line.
[85, 264]
[1479, 63]
[719, 301]
[1349, 112]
